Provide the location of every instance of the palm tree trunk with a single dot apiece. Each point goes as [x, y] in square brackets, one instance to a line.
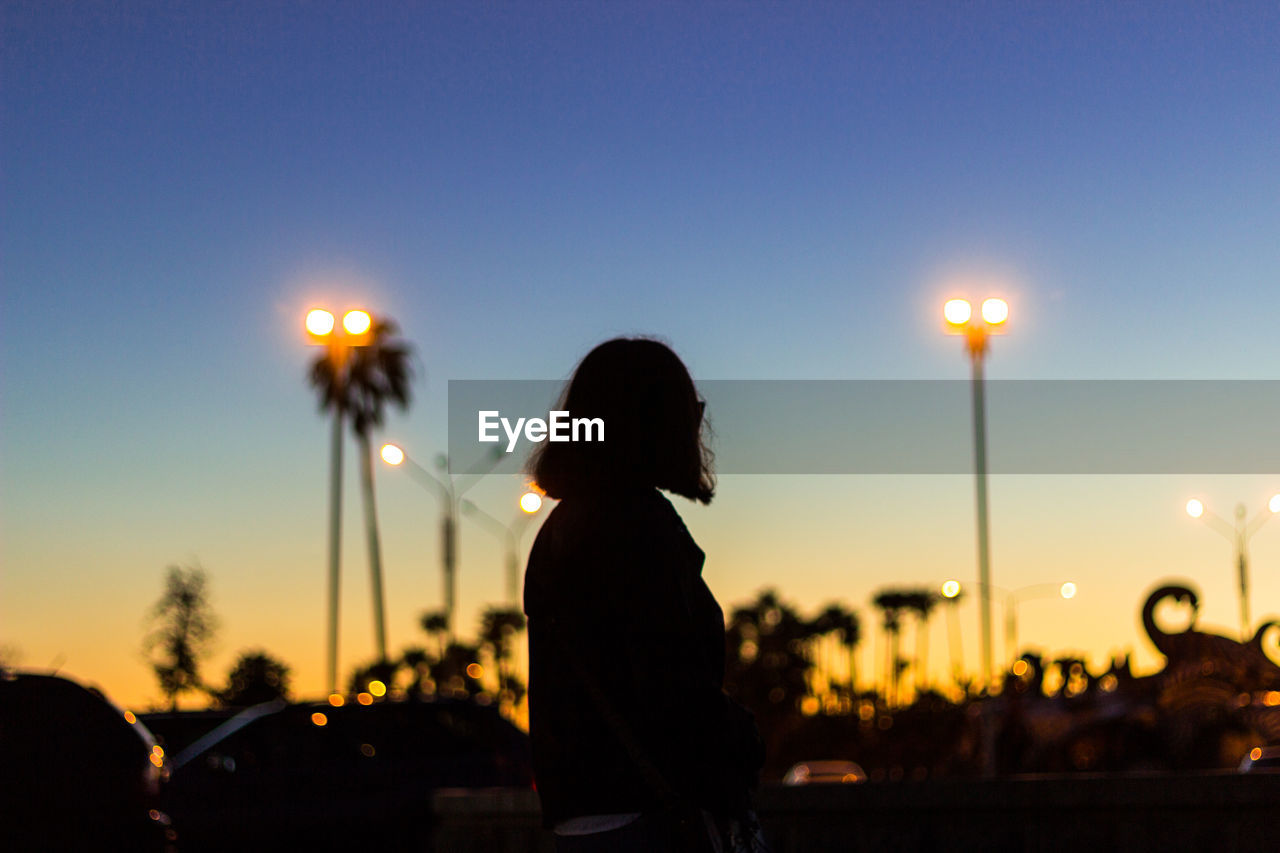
[335, 541]
[853, 670]
[375, 551]
[922, 653]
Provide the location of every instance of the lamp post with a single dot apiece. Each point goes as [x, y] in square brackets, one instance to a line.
[1012, 598]
[530, 503]
[322, 330]
[450, 494]
[1239, 535]
[960, 321]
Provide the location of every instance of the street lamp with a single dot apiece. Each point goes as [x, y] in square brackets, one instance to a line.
[530, 503]
[322, 331]
[960, 321]
[1239, 535]
[450, 494]
[1012, 598]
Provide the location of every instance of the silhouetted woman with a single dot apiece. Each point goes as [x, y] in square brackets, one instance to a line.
[635, 745]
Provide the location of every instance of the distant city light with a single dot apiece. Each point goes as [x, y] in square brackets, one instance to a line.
[337, 700]
[377, 688]
[319, 719]
[951, 589]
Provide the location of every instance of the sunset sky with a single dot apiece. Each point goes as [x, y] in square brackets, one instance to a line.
[781, 191]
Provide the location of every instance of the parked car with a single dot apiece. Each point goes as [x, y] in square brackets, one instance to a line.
[824, 773]
[76, 772]
[280, 776]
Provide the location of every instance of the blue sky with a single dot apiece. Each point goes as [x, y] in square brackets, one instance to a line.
[780, 190]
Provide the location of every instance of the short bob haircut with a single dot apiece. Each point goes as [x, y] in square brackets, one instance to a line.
[653, 427]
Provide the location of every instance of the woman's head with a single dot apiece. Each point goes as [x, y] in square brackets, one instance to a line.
[653, 426]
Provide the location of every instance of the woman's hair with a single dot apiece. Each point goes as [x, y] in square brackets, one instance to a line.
[653, 426]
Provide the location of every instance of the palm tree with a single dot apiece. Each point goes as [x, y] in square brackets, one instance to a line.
[835, 619]
[891, 603]
[362, 384]
[436, 625]
[953, 639]
[416, 660]
[921, 603]
[498, 631]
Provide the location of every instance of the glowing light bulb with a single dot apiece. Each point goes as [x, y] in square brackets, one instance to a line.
[356, 322]
[957, 312]
[531, 502]
[995, 311]
[319, 322]
[392, 455]
[1195, 509]
[951, 589]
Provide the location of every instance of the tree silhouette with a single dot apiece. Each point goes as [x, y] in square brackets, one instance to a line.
[370, 377]
[498, 630]
[184, 628]
[844, 625]
[767, 668]
[892, 603]
[454, 674]
[383, 671]
[416, 660]
[256, 677]
[436, 625]
[921, 603]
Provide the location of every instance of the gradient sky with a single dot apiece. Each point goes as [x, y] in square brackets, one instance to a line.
[779, 190]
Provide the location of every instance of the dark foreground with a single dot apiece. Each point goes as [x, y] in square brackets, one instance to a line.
[1209, 812]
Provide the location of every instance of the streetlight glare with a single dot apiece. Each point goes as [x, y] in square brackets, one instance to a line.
[1195, 509]
[319, 322]
[1068, 590]
[995, 311]
[950, 589]
[392, 455]
[1274, 504]
[530, 502]
[356, 322]
[957, 312]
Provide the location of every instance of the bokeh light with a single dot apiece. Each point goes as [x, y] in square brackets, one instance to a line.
[995, 311]
[957, 311]
[319, 322]
[356, 322]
